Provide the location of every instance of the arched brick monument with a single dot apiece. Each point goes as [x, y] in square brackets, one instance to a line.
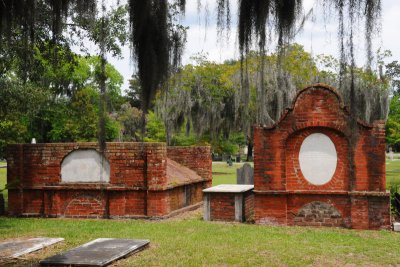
[319, 166]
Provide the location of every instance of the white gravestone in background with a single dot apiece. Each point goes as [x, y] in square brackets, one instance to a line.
[85, 166]
[318, 158]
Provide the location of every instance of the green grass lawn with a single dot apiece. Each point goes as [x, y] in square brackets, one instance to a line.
[3, 180]
[193, 242]
[189, 241]
[392, 172]
[225, 174]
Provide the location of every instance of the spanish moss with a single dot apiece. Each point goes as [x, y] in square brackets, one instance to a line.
[158, 41]
[148, 21]
[223, 18]
[28, 13]
[372, 24]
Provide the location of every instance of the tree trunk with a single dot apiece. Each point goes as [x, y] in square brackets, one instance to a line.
[249, 151]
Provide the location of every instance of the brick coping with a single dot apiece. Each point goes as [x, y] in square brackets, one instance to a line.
[105, 186]
[322, 192]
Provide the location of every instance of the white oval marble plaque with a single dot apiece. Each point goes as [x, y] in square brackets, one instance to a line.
[85, 166]
[318, 158]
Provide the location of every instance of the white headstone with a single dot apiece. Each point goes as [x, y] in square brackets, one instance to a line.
[391, 154]
[85, 166]
[318, 158]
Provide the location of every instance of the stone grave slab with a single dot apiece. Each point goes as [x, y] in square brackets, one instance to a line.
[18, 247]
[229, 188]
[99, 252]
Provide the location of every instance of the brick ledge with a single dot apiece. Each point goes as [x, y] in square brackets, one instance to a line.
[322, 192]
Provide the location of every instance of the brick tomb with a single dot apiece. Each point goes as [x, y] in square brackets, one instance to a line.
[228, 202]
[317, 166]
[130, 180]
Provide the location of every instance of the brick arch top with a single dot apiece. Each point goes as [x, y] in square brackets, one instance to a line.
[319, 108]
[336, 101]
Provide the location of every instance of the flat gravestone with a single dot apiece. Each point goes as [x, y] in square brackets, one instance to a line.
[99, 252]
[245, 175]
[18, 247]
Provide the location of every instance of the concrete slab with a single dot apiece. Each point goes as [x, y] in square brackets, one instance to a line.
[229, 188]
[18, 247]
[99, 252]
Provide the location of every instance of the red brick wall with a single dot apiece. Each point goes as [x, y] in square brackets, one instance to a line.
[270, 209]
[378, 213]
[279, 185]
[41, 163]
[249, 206]
[138, 182]
[85, 205]
[222, 207]
[196, 158]
[187, 195]
[340, 203]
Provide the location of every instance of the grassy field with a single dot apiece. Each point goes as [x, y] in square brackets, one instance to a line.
[187, 240]
[225, 174]
[393, 173]
[3, 180]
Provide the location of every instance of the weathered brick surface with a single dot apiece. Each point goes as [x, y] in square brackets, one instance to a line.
[197, 158]
[249, 206]
[270, 209]
[327, 210]
[222, 207]
[85, 205]
[280, 187]
[138, 181]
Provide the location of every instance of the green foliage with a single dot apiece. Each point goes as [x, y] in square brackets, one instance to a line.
[130, 120]
[300, 65]
[110, 30]
[11, 131]
[229, 146]
[184, 140]
[155, 129]
[77, 120]
[393, 72]
[224, 147]
[61, 104]
[393, 123]
[20, 106]
[394, 190]
[393, 183]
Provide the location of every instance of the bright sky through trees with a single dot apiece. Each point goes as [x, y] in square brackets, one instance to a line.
[316, 37]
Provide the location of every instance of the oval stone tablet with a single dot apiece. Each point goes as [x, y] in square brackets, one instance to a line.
[318, 158]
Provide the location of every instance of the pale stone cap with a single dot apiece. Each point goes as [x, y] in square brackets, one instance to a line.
[229, 188]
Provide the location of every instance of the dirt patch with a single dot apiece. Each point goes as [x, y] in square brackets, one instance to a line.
[187, 215]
